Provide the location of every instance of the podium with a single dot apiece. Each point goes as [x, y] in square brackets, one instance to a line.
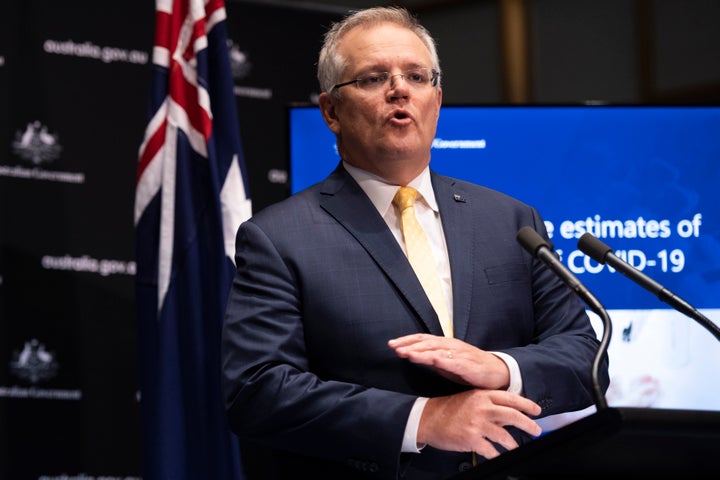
[615, 443]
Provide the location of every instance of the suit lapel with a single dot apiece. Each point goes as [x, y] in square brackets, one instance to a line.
[455, 211]
[343, 198]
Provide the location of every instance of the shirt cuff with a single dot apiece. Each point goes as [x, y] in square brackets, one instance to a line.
[515, 377]
[409, 444]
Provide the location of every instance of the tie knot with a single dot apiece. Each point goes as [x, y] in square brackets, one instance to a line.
[405, 197]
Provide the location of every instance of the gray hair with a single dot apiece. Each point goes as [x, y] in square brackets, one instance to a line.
[331, 64]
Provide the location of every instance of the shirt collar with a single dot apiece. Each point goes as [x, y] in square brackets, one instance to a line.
[381, 192]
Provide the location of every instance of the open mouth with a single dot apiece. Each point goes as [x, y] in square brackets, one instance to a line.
[400, 115]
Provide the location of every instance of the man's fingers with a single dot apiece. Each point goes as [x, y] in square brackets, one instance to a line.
[501, 436]
[416, 340]
[427, 349]
[514, 410]
[515, 402]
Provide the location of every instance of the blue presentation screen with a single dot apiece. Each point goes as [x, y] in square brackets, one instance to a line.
[643, 179]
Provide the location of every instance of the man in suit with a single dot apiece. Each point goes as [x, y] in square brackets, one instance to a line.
[336, 363]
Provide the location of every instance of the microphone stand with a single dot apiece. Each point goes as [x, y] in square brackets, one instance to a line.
[538, 248]
[600, 400]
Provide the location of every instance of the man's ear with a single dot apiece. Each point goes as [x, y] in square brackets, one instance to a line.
[327, 108]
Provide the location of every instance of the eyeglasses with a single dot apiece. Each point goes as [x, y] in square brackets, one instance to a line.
[374, 81]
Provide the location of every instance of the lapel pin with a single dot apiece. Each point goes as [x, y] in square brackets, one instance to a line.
[459, 198]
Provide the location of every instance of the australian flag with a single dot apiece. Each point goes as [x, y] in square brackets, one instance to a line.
[191, 196]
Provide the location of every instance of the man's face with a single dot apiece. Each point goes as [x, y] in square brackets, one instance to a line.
[388, 131]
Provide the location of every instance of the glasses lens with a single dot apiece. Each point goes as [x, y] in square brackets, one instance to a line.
[373, 80]
[417, 78]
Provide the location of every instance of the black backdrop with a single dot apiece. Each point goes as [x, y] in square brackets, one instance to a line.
[74, 78]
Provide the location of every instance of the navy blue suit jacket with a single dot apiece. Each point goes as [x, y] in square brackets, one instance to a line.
[322, 285]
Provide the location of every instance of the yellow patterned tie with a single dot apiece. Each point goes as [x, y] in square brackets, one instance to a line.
[420, 255]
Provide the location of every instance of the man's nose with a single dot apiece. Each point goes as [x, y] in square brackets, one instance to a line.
[392, 78]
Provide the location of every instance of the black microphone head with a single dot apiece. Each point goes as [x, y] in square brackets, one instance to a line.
[593, 248]
[530, 240]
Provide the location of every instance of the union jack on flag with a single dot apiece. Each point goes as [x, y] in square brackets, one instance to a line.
[191, 196]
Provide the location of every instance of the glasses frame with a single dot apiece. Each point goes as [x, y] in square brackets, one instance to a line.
[434, 78]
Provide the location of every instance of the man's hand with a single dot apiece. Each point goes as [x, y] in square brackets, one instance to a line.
[471, 420]
[454, 359]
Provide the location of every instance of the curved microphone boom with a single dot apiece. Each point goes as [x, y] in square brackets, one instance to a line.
[600, 252]
[536, 246]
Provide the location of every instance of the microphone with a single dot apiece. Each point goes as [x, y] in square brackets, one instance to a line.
[536, 246]
[601, 253]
